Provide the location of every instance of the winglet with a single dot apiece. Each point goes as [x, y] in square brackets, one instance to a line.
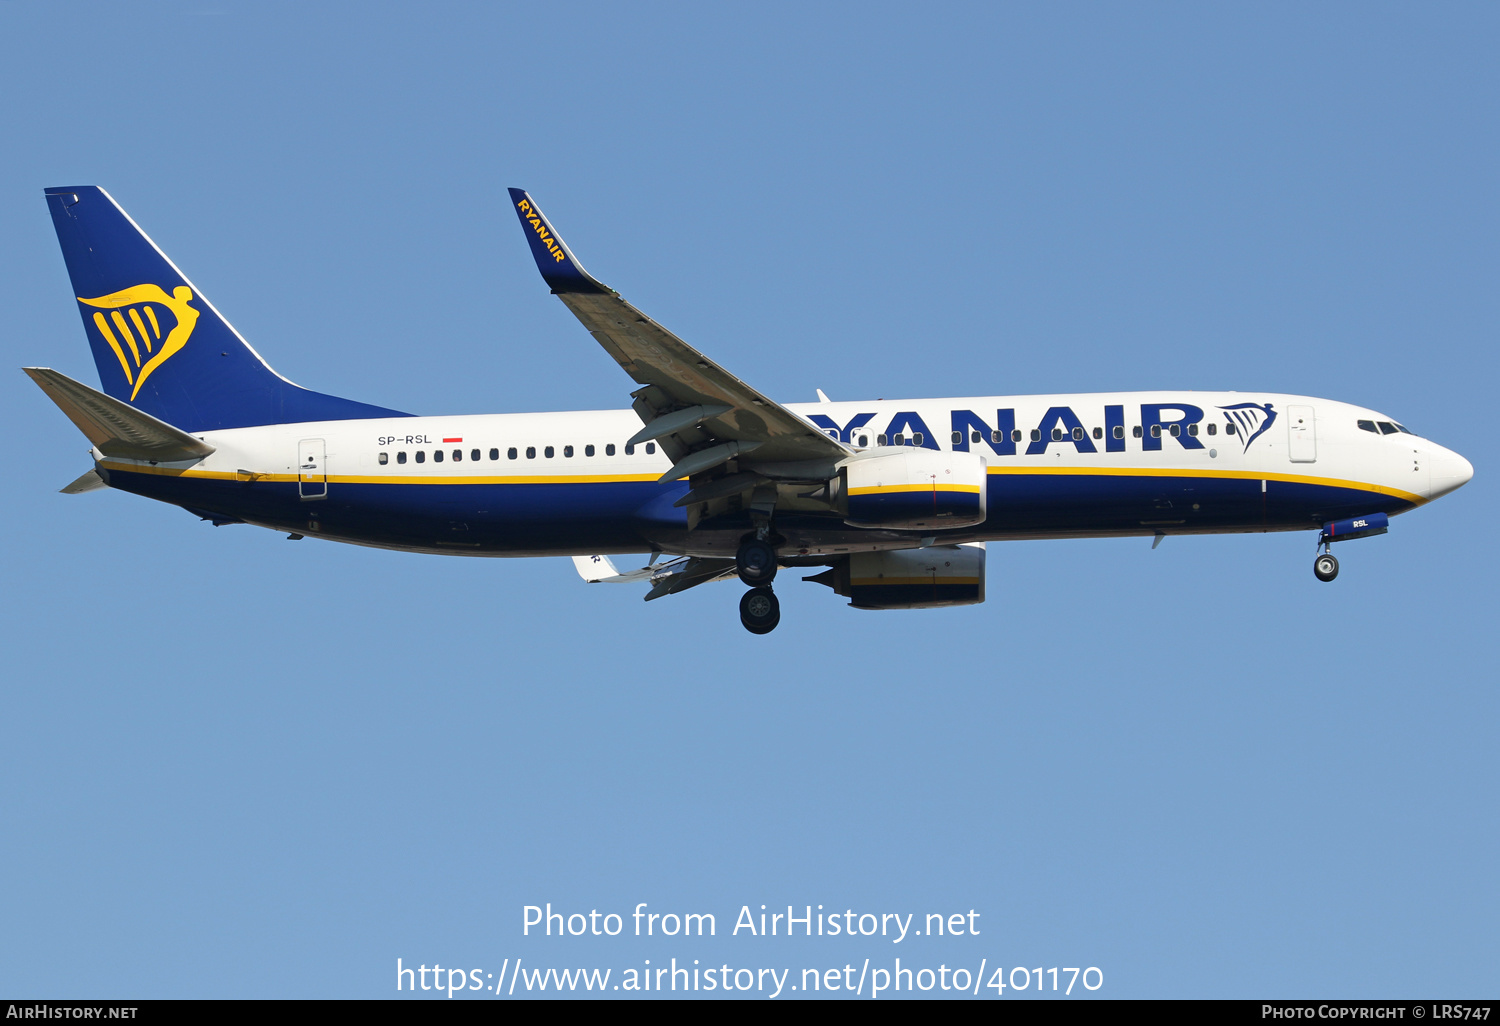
[560, 268]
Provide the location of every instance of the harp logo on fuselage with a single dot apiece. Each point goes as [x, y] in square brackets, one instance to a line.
[134, 328]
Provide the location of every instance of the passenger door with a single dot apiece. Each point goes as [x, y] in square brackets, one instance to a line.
[1302, 440]
[312, 473]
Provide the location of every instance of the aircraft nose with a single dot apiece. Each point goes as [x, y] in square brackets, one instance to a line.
[1450, 471]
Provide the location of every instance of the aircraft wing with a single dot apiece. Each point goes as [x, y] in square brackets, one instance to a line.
[702, 414]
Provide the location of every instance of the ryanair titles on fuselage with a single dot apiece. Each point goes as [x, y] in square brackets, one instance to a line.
[1244, 422]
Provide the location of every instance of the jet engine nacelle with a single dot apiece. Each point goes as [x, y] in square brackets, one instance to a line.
[915, 488]
[940, 575]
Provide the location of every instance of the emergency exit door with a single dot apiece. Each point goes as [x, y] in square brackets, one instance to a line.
[1301, 432]
[312, 472]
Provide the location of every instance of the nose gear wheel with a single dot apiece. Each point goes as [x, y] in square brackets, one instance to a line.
[1326, 567]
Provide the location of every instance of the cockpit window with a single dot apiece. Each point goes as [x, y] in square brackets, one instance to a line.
[1404, 429]
[1386, 427]
[1368, 425]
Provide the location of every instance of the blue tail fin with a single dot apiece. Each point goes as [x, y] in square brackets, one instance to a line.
[158, 342]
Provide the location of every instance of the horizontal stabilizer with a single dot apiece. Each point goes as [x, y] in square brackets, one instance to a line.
[89, 481]
[117, 429]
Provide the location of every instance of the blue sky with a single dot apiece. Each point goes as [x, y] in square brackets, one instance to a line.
[235, 766]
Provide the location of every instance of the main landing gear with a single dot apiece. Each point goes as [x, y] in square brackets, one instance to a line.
[756, 562]
[760, 611]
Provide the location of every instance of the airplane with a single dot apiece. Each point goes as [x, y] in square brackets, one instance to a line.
[891, 502]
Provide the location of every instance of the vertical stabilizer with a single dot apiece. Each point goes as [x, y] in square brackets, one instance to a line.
[158, 342]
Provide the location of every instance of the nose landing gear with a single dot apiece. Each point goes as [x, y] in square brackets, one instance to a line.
[1325, 567]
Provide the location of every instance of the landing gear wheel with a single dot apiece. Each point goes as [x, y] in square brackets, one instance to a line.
[1325, 567]
[760, 611]
[756, 563]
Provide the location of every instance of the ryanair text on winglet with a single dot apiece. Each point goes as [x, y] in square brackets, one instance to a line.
[543, 232]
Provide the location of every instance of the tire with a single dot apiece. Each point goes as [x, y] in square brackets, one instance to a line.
[756, 563]
[1325, 567]
[760, 610]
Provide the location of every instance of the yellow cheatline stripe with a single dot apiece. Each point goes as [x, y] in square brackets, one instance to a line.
[868, 582]
[885, 489]
[155, 327]
[1241, 475]
[135, 318]
[109, 336]
[126, 335]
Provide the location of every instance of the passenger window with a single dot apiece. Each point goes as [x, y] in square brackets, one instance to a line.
[1386, 427]
[1078, 434]
[650, 448]
[1155, 430]
[918, 438]
[1036, 434]
[510, 453]
[1015, 435]
[1098, 432]
[437, 455]
[1368, 425]
[458, 455]
[864, 441]
[1213, 429]
[1193, 429]
[609, 450]
[494, 454]
[1119, 431]
[1057, 434]
[421, 456]
[880, 439]
[976, 437]
[1176, 430]
[630, 450]
[400, 457]
[588, 450]
[1230, 429]
[1136, 431]
[474, 455]
[958, 436]
[898, 439]
[531, 452]
[568, 451]
[996, 437]
[549, 452]
[384, 458]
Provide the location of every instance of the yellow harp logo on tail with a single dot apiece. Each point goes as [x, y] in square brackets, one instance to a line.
[142, 331]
